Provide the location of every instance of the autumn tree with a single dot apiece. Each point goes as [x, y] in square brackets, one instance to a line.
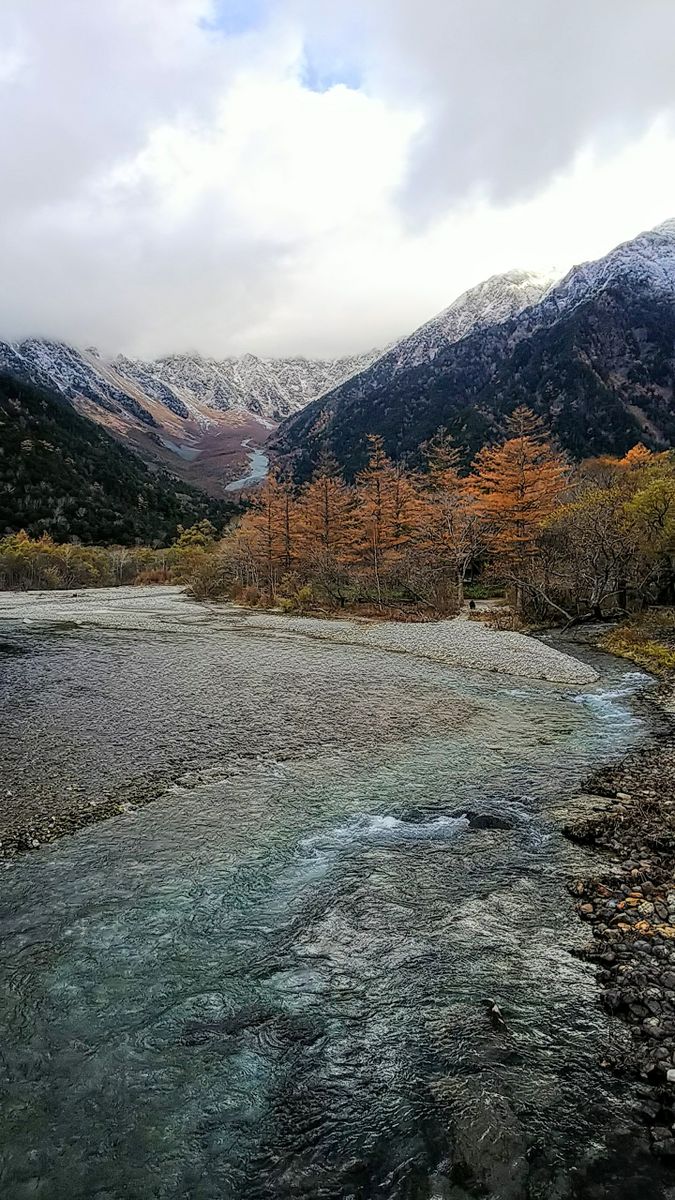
[589, 552]
[387, 517]
[265, 537]
[325, 530]
[610, 545]
[650, 514]
[516, 486]
[201, 534]
[451, 522]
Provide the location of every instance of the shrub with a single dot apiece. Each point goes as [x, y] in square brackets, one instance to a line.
[210, 579]
[648, 640]
[28, 564]
[152, 575]
[250, 596]
[300, 601]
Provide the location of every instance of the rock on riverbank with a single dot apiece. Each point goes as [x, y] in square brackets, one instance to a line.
[631, 911]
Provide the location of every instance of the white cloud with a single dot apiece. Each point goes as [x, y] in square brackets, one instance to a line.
[167, 187]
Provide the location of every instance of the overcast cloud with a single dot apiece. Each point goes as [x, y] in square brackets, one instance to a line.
[303, 176]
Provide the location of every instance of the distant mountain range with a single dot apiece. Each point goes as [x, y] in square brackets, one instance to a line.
[63, 475]
[594, 354]
[195, 416]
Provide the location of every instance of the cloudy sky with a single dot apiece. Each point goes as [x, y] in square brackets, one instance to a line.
[315, 176]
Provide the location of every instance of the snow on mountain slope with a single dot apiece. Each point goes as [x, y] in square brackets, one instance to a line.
[593, 354]
[489, 303]
[484, 306]
[271, 388]
[195, 416]
[647, 261]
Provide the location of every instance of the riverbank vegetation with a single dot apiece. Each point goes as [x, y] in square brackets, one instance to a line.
[566, 543]
[41, 564]
[563, 542]
[648, 639]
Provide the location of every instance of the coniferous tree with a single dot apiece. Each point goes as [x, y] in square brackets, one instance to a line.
[516, 486]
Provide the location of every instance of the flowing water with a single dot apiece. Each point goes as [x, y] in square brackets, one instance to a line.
[275, 980]
[258, 466]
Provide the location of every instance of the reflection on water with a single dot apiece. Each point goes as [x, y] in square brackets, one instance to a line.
[276, 980]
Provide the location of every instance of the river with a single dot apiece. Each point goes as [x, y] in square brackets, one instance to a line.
[258, 466]
[275, 980]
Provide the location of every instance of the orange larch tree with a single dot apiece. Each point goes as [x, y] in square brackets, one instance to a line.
[387, 515]
[325, 530]
[516, 487]
[325, 514]
[451, 522]
[267, 532]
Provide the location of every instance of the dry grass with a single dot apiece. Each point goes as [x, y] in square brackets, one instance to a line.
[647, 639]
[502, 619]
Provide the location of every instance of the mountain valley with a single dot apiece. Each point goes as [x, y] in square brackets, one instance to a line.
[593, 354]
[192, 416]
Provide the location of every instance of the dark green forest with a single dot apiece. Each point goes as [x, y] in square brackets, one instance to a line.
[602, 378]
[62, 475]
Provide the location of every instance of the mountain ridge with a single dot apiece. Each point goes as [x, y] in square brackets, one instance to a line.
[63, 475]
[595, 355]
[193, 415]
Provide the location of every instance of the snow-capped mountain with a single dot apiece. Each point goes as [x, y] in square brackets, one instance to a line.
[594, 354]
[268, 387]
[489, 303]
[645, 262]
[201, 417]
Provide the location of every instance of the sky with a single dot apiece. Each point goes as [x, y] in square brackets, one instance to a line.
[315, 177]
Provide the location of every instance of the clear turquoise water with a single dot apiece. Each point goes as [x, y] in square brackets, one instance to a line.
[274, 980]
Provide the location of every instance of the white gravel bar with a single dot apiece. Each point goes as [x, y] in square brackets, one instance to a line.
[458, 642]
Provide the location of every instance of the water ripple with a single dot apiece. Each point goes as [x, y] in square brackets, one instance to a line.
[276, 981]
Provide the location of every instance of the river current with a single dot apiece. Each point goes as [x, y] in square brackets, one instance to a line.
[276, 979]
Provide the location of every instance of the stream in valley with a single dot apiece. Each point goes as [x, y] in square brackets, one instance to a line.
[275, 980]
[258, 466]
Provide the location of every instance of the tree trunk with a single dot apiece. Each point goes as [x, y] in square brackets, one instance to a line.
[377, 573]
[518, 605]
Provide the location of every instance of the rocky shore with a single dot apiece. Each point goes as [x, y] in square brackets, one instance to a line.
[630, 909]
[26, 825]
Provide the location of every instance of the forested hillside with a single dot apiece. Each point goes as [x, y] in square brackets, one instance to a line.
[595, 358]
[602, 377]
[60, 474]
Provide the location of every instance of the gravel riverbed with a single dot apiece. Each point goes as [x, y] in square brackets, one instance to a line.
[628, 814]
[27, 823]
[457, 642]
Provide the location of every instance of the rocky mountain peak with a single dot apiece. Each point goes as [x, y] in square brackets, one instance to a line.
[593, 354]
[487, 303]
[646, 261]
